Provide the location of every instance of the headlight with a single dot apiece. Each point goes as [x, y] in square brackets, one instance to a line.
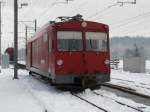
[107, 62]
[84, 24]
[59, 62]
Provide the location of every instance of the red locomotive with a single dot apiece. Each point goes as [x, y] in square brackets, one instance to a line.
[73, 51]
[10, 52]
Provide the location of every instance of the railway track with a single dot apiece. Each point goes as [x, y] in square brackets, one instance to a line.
[93, 104]
[126, 89]
[104, 110]
[119, 102]
[138, 87]
[138, 109]
[89, 102]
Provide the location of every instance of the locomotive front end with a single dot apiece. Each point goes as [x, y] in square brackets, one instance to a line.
[82, 53]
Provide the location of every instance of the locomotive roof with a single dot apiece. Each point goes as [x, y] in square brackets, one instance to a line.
[53, 23]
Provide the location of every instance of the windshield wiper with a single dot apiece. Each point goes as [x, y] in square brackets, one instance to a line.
[91, 45]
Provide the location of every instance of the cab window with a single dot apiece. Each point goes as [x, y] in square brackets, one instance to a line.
[96, 41]
[69, 41]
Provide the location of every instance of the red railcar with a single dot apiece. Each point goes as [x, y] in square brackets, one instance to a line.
[10, 52]
[72, 51]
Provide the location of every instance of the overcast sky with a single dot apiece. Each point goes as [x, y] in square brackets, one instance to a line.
[129, 19]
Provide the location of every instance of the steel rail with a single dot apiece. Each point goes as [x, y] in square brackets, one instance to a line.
[90, 103]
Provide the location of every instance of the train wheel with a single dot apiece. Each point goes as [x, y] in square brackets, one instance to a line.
[95, 87]
[30, 73]
[83, 84]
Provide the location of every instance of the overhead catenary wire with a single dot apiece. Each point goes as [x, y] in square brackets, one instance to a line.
[139, 23]
[47, 10]
[78, 7]
[103, 10]
[133, 31]
[136, 31]
[130, 20]
[42, 15]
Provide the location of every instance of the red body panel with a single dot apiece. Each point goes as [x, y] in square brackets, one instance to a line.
[40, 56]
[82, 63]
[73, 63]
[94, 62]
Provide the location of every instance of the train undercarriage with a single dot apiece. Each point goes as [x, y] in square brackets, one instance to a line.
[76, 82]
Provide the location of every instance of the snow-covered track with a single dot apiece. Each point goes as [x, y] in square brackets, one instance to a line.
[119, 102]
[127, 90]
[133, 82]
[104, 110]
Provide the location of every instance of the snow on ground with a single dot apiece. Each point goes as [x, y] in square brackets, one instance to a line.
[31, 95]
[137, 81]
[13, 97]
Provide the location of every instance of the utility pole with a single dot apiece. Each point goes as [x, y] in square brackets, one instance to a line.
[26, 38]
[35, 21]
[26, 35]
[0, 34]
[15, 39]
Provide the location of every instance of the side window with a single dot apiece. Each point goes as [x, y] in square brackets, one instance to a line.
[45, 37]
[49, 42]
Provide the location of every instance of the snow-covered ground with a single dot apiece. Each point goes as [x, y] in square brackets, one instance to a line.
[138, 81]
[31, 95]
[14, 97]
